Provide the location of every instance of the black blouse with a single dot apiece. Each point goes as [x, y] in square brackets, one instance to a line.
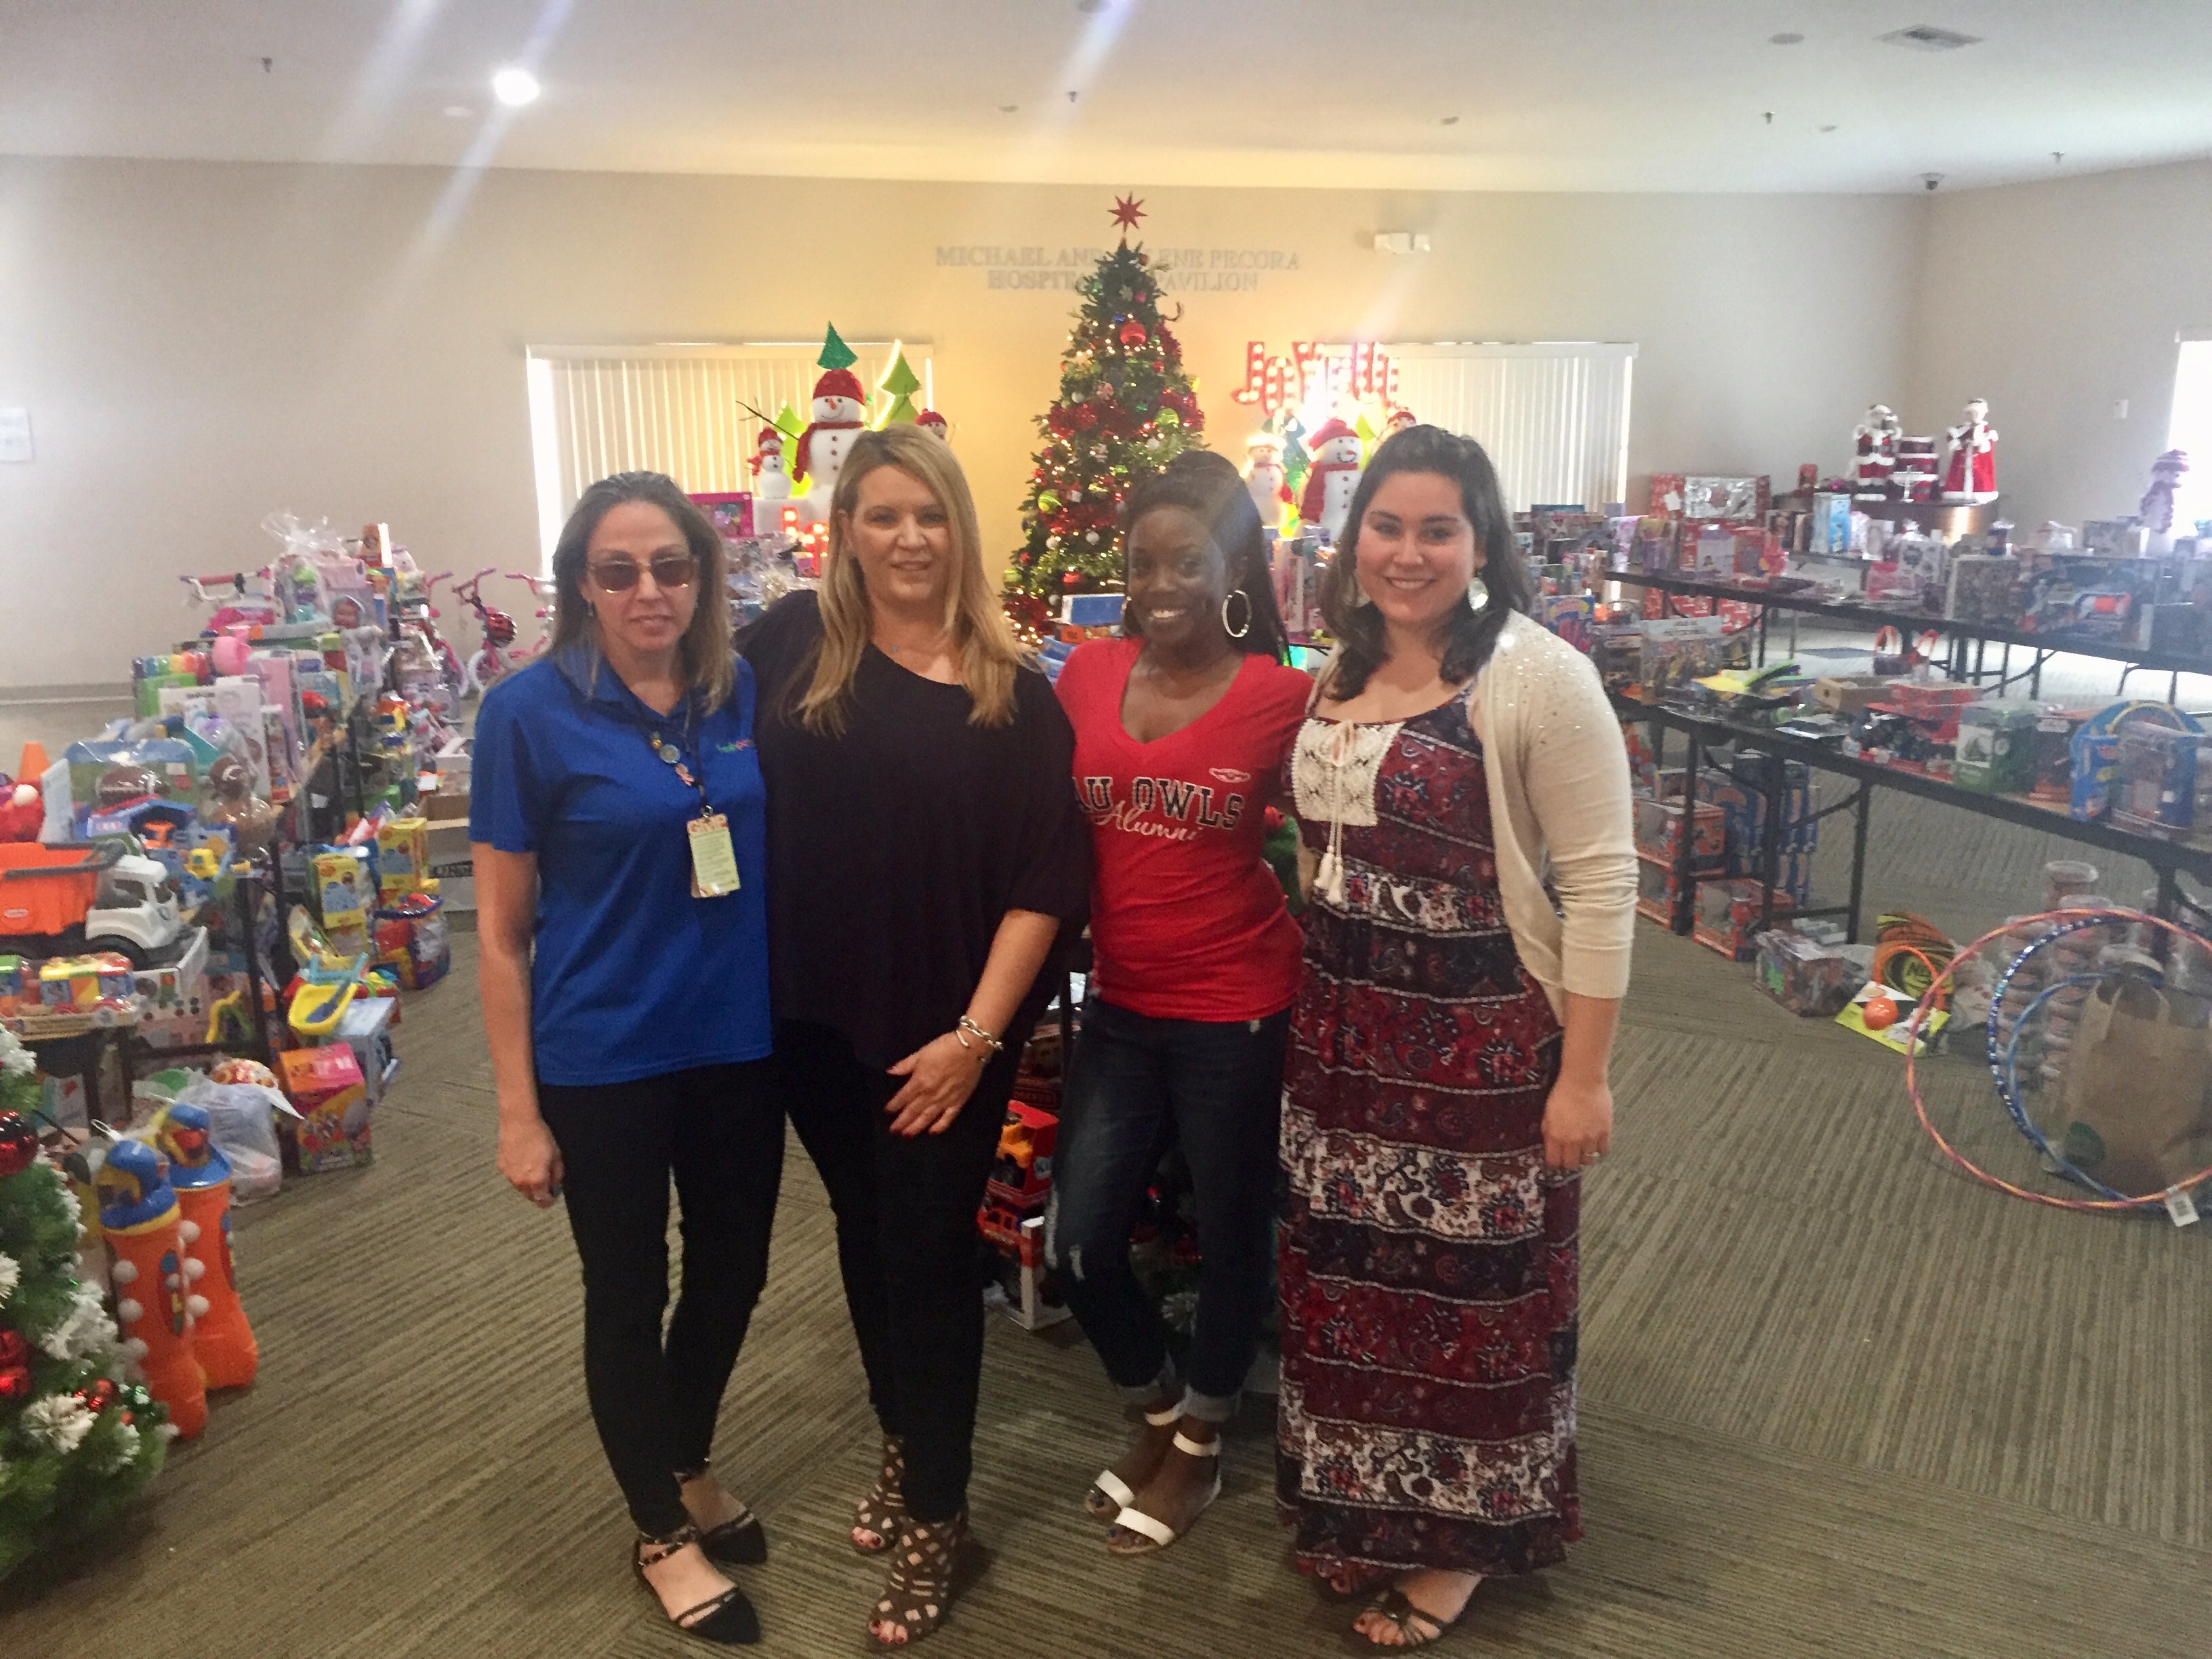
[895, 851]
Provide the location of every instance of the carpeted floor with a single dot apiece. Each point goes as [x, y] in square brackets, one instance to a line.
[1835, 1400]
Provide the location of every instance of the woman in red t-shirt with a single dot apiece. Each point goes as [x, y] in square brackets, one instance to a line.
[1181, 730]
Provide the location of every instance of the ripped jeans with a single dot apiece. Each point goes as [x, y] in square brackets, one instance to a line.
[1135, 1085]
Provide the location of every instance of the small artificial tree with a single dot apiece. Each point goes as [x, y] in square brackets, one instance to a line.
[902, 382]
[76, 1442]
[1125, 409]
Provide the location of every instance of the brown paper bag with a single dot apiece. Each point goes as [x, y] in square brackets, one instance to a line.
[2137, 1113]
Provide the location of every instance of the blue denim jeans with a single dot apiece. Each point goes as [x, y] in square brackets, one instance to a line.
[1135, 1085]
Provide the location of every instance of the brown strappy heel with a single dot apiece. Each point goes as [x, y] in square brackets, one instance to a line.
[933, 1563]
[877, 1517]
[727, 1619]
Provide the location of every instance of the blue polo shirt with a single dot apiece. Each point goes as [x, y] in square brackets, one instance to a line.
[632, 976]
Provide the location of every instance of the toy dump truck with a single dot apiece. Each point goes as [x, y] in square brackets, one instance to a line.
[61, 900]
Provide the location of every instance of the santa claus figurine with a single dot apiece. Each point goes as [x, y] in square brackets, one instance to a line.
[933, 424]
[823, 446]
[1397, 421]
[1971, 473]
[1330, 480]
[1875, 440]
[770, 482]
[1264, 477]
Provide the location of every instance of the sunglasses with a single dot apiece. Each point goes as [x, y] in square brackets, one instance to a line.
[669, 570]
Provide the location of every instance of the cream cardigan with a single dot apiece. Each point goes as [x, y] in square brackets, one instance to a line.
[1559, 812]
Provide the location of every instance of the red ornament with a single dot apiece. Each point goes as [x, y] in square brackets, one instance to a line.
[19, 1146]
[97, 1396]
[1133, 333]
[14, 1350]
[1086, 417]
[1071, 578]
[15, 1384]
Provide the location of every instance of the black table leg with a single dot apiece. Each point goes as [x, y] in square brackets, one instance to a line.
[1686, 845]
[1770, 855]
[2169, 893]
[1858, 861]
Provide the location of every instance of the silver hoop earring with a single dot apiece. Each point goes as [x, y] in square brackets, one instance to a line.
[1243, 628]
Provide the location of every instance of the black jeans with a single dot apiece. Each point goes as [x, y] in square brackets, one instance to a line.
[718, 1129]
[907, 1246]
[1134, 1084]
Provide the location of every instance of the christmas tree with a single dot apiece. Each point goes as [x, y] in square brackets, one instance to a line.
[902, 382]
[76, 1443]
[1125, 409]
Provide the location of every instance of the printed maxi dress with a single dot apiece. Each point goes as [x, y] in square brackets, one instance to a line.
[1428, 1260]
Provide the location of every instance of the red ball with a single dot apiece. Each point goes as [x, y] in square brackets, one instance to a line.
[15, 1384]
[1879, 1013]
[1133, 333]
[14, 1350]
[19, 1146]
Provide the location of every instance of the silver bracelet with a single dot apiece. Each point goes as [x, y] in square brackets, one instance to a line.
[967, 1026]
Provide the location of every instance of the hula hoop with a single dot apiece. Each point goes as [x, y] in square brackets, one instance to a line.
[2074, 921]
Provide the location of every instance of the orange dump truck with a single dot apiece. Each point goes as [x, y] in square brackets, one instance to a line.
[55, 900]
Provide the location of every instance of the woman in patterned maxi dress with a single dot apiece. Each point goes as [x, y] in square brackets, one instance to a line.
[1429, 1245]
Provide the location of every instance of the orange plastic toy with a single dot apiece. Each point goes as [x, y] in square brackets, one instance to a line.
[201, 1176]
[154, 1302]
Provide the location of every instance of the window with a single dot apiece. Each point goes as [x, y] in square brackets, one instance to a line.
[1554, 416]
[2191, 431]
[681, 409]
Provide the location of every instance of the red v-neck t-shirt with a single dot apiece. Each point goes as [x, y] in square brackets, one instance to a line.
[1187, 920]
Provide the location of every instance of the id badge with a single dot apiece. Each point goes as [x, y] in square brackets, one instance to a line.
[713, 861]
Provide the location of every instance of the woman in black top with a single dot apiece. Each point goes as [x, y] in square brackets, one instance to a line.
[926, 853]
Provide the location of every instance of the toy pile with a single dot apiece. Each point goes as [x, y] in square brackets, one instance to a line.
[1012, 1219]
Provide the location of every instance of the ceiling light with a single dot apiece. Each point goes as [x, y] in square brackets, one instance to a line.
[1926, 37]
[1784, 39]
[514, 87]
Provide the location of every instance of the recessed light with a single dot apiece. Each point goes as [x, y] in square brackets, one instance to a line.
[1449, 121]
[459, 112]
[1784, 39]
[514, 87]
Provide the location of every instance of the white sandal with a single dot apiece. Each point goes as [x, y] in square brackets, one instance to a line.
[1158, 1532]
[1111, 1487]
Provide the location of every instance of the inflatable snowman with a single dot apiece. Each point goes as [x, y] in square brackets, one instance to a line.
[1330, 480]
[770, 482]
[823, 446]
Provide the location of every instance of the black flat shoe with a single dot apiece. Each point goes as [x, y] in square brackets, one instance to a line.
[736, 1543]
[727, 1621]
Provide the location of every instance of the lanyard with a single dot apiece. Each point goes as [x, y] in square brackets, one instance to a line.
[677, 759]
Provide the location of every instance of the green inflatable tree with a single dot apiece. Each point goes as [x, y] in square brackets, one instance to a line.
[902, 382]
[76, 1443]
[1125, 409]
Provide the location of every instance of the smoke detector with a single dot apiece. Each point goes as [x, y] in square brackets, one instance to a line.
[1926, 37]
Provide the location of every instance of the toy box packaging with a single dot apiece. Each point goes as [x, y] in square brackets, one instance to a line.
[325, 1087]
[1022, 1176]
[238, 700]
[14, 1000]
[2159, 779]
[1659, 832]
[344, 895]
[1727, 916]
[402, 856]
[730, 512]
[1984, 587]
[1995, 752]
[1808, 978]
[365, 1028]
[1708, 497]
[2095, 752]
[1829, 531]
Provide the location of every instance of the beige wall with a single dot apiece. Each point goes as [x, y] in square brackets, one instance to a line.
[200, 345]
[2054, 301]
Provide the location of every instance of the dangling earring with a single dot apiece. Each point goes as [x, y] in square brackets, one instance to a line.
[1478, 594]
[1243, 628]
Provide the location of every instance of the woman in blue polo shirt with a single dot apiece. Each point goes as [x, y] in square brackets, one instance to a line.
[618, 822]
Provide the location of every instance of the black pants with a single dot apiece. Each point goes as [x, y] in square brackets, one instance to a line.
[718, 1130]
[906, 1245]
[1133, 1084]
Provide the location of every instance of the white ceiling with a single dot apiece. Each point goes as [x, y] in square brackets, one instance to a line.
[1549, 94]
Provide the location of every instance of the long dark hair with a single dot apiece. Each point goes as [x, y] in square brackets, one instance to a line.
[1468, 634]
[703, 653]
[1208, 487]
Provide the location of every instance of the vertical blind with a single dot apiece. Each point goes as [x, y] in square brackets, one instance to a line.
[1553, 416]
[676, 409]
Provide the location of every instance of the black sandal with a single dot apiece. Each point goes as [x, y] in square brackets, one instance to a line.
[727, 1619]
[881, 1514]
[739, 1541]
[934, 1563]
[1415, 1628]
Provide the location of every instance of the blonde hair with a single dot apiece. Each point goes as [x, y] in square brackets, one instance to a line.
[989, 659]
[703, 654]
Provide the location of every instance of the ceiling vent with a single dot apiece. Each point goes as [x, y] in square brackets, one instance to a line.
[1926, 37]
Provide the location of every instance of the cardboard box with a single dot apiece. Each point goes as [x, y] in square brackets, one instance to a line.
[326, 1087]
[440, 807]
[452, 865]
